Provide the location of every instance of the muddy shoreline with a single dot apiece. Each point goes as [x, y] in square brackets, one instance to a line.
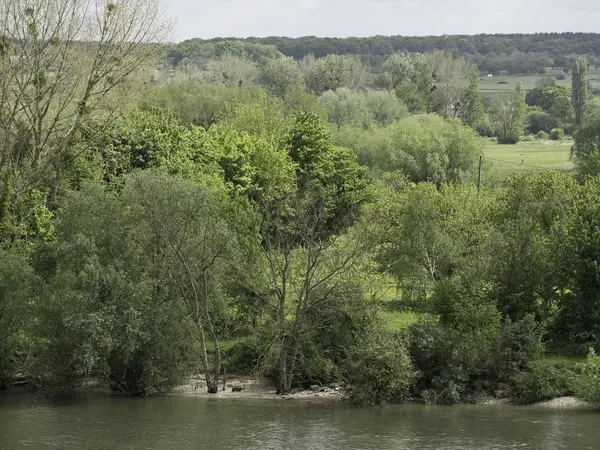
[255, 389]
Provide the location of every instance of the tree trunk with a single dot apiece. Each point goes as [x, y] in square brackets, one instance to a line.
[282, 382]
[212, 381]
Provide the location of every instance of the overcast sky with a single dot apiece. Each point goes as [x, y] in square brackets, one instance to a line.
[243, 18]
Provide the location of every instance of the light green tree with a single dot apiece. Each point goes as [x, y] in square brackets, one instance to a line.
[282, 76]
[333, 72]
[507, 112]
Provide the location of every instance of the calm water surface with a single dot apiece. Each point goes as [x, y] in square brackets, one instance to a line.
[166, 423]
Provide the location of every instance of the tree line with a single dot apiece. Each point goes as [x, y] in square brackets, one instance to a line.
[272, 219]
[513, 53]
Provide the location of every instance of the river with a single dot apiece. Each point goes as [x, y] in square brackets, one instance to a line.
[170, 422]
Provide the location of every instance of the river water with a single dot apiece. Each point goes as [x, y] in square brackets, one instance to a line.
[165, 423]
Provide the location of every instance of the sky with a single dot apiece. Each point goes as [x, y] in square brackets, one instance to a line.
[342, 18]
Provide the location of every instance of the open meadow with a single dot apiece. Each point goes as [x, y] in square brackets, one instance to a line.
[502, 83]
[527, 156]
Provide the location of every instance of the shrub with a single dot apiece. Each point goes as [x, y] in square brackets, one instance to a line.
[380, 374]
[543, 381]
[587, 384]
[542, 135]
[460, 347]
[518, 345]
[557, 134]
[560, 75]
[540, 121]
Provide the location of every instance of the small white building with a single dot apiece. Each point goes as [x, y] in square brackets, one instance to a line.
[490, 75]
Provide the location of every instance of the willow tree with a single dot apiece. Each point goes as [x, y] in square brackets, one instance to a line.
[64, 65]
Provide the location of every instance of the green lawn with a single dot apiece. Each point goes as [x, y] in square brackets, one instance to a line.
[401, 320]
[528, 156]
[500, 83]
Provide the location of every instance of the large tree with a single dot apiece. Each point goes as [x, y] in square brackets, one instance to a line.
[508, 115]
[302, 230]
[63, 65]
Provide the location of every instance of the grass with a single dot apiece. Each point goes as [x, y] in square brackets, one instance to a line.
[401, 320]
[566, 362]
[503, 83]
[528, 156]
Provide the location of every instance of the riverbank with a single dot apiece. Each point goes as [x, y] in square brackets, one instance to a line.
[256, 389]
[238, 387]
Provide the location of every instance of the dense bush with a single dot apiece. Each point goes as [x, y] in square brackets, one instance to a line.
[519, 344]
[424, 147]
[542, 135]
[540, 121]
[458, 349]
[587, 384]
[379, 372]
[542, 381]
[557, 134]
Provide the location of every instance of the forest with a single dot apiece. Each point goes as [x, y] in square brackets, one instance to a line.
[514, 53]
[307, 221]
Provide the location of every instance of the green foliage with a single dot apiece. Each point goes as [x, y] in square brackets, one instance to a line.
[17, 287]
[331, 184]
[195, 103]
[541, 135]
[576, 325]
[587, 383]
[538, 121]
[518, 346]
[333, 72]
[282, 76]
[362, 110]
[426, 148]
[450, 353]
[554, 100]
[587, 141]
[536, 215]
[380, 372]
[579, 88]
[507, 112]
[542, 381]
[557, 134]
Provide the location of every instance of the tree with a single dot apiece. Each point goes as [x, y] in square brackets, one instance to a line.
[425, 148]
[302, 234]
[17, 287]
[65, 63]
[579, 88]
[385, 107]
[508, 115]
[537, 212]
[435, 82]
[282, 76]
[426, 234]
[232, 71]
[586, 150]
[345, 107]
[185, 225]
[333, 72]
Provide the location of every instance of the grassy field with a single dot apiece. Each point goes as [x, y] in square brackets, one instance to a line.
[501, 83]
[527, 156]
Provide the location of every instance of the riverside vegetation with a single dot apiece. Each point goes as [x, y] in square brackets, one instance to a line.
[309, 221]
